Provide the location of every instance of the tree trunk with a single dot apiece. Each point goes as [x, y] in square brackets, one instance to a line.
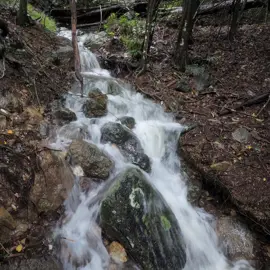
[22, 18]
[185, 32]
[149, 31]
[234, 21]
[77, 62]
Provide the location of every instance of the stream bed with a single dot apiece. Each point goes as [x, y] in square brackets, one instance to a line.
[137, 194]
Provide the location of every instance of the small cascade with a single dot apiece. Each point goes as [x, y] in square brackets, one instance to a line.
[80, 237]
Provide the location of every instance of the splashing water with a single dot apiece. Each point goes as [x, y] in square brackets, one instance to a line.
[81, 242]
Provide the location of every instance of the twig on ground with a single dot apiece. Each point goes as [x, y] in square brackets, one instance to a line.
[256, 100]
[264, 106]
[187, 129]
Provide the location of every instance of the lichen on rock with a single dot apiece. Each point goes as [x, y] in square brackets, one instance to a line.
[135, 214]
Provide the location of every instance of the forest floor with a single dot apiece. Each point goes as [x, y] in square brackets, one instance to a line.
[231, 151]
[230, 148]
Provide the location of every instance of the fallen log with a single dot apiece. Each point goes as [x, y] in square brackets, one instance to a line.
[256, 100]
[95, 14]
[208, 9]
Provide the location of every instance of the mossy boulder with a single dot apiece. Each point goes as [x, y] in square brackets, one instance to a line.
[127, 142]
[96, 105]
[135, 214]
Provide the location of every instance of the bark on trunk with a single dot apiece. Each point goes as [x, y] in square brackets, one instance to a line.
[185, 33]
[149, 31]
[22, 18]
[234, 21]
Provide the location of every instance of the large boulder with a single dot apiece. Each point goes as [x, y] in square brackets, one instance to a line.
[96, 105]
[135, 214]
[92, 160]
[52, 183]
[127, 142]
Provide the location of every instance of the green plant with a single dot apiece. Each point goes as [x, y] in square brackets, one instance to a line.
[47, 22]
[172, 4]
[130, 32]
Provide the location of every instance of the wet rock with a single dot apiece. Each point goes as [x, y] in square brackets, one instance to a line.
[221, 166]
[95, 40]
[74, 131]
[241, 135]
[128, 121]
[127, 142]
[63, 55]
[135, 214]
[96, 105]
[52, 183]
[194, 191]
[65, 115]
[92, 160]
[11, 103]
[236, 238]
[43, 263]
[113, 89]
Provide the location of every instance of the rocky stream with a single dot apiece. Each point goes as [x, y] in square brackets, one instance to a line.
[129, 185]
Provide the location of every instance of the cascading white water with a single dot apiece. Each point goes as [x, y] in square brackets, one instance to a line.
[81, 244]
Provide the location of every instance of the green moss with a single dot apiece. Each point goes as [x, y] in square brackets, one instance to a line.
[145, 220]
[47, 22]
[166, 224]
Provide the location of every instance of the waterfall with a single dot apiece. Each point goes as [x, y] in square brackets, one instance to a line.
[80, 236]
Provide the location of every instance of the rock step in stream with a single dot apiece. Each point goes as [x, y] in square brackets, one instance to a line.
[128, 186]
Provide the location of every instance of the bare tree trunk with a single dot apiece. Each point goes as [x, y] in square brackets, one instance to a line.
[22, 18]
[234, 21]
[152, 10]
[185, 32]
[77, 62]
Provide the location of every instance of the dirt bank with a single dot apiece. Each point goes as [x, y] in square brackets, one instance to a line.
[38, 70]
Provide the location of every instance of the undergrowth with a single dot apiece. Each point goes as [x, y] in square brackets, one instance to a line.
[129, 30]
[35, 14]
[47, 22]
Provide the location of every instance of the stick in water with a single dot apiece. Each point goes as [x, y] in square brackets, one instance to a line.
[77, 62]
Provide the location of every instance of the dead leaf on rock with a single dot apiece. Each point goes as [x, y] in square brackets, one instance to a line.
[117, 252]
